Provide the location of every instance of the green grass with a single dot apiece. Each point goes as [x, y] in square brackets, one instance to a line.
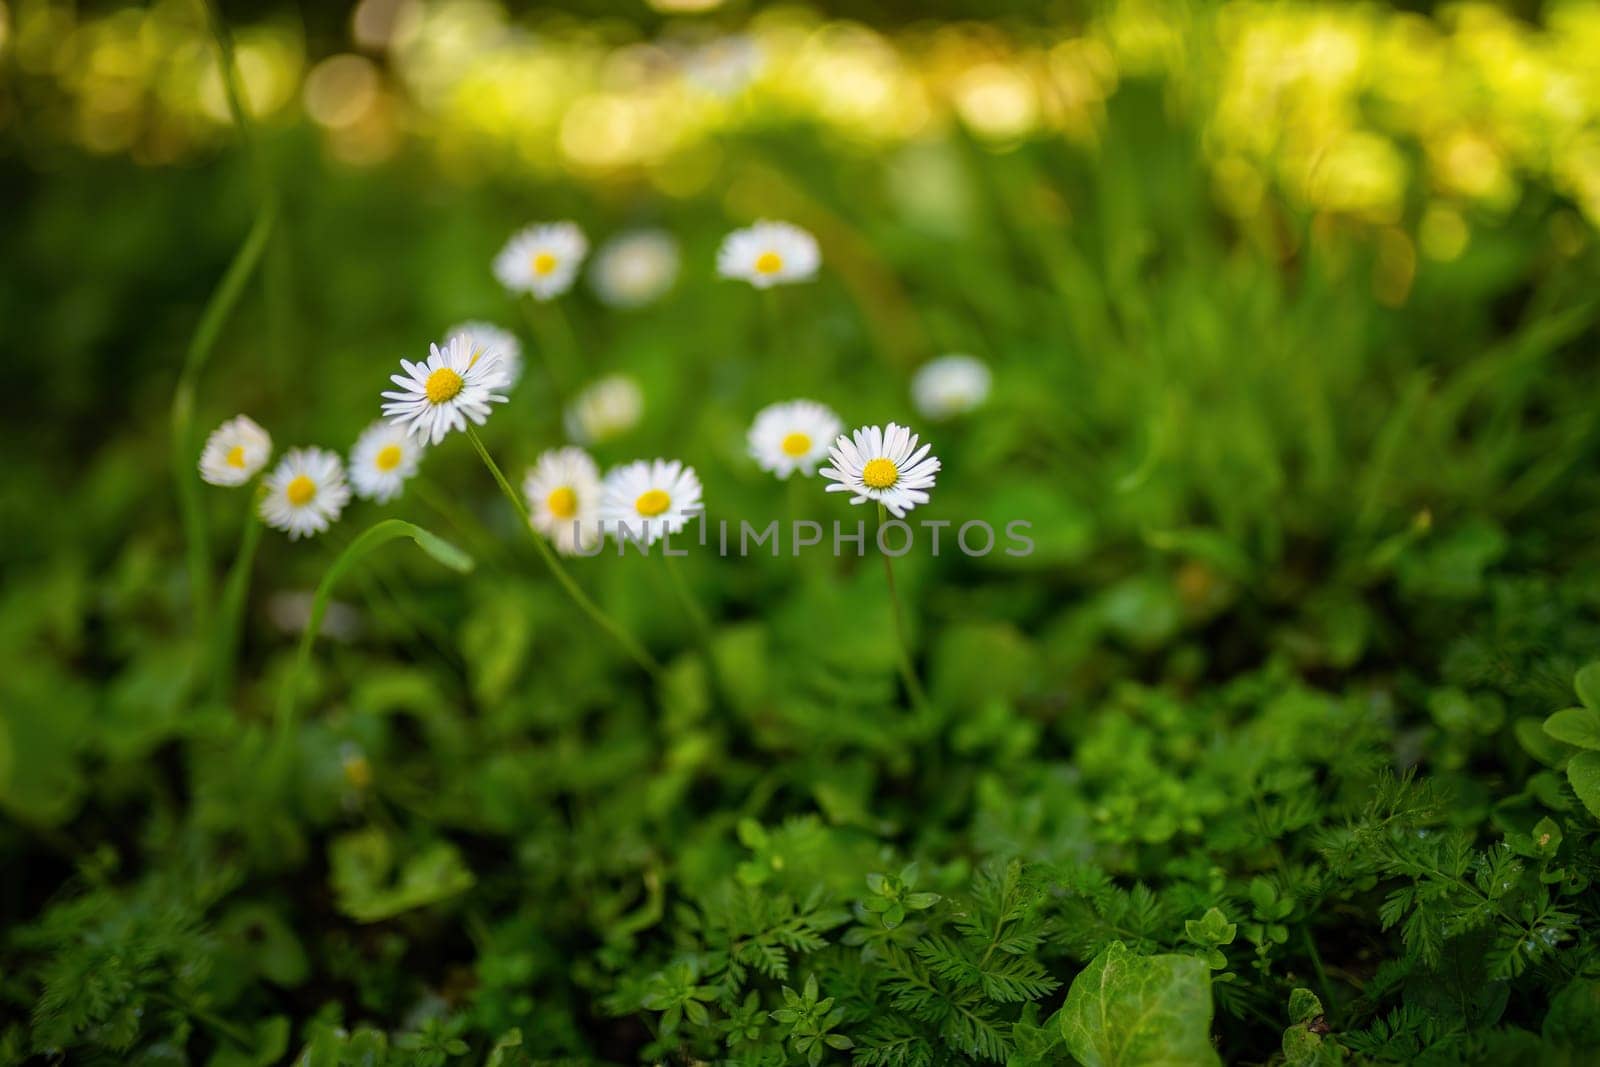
[1264, 708]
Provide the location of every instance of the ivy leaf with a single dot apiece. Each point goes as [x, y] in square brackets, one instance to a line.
[1575, 726]
[1584, 773]
[1126, 1009]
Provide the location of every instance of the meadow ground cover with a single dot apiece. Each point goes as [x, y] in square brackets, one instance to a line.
[339, 726]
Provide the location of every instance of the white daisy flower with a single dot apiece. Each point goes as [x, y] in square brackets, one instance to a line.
[950, 385]
[305, 492]
[883, 465]
[608, 407]
[792, 436]
[457, 383]
[486, 337]
[563, 493]
[633, 269]
[542, 259]
[768, 254]
[235, 451]
[384, 458]
[651, 498]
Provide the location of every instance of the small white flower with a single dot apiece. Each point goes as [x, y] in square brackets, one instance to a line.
[633, 269]
[950, 385]
[792, 436]
[542, 259]
[606, 408]
[768, 254]
[305, 492]
[457, 383]
[651, 498]
[234, 452]
[384, 458]
[883, 465]
[563, 494]
[486, 337]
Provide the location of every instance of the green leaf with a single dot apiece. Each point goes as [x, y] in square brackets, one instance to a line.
[1584, 774]
[1125, 1009]
[1213, 928]
[1587, 684]
[1575, 726]
[378, 534]
[1304, 1005]
[370, 885]
[1573, 1021]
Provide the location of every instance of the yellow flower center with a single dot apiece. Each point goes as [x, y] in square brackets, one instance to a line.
[563, 503]
[443, 385]
[769, 263]
[301, 491]
[796, 444]
[652, 502]
[543, 263]
[236, 456]
[880, 473]
[388, 458]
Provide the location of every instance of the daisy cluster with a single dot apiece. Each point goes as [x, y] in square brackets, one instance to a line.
[569, 500]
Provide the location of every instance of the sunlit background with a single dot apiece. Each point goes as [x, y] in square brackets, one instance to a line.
[1396, 119]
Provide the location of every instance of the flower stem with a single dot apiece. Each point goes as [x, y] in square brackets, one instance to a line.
[201, 343]
[913, 687]
[379, 533]
[225, 650]
[629, 644]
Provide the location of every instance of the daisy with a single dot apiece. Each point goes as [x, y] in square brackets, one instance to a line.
[884, 465]
[384, 458]
[305, 492]
[542, 259]
[608, 407]
[563, 494]
[950, 385]
[632, 269]
[457, 383]
[768, 254]
[650, 498]
[486, 337]
[792, 436]
[234, 452]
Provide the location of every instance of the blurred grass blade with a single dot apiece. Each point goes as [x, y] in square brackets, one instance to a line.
[225, 634]
[215, 316]
[376, 536]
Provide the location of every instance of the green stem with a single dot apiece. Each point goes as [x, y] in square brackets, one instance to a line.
[226, 650]
[629, 644]
[232, 1032]
[278, 283]
[907, 672]
[379, 533]
[201, 343]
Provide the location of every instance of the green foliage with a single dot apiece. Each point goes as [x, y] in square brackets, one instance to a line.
[1264, 756]
[1580, 728]
[1127, 1009]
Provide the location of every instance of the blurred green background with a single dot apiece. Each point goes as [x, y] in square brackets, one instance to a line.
[1291, 311]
